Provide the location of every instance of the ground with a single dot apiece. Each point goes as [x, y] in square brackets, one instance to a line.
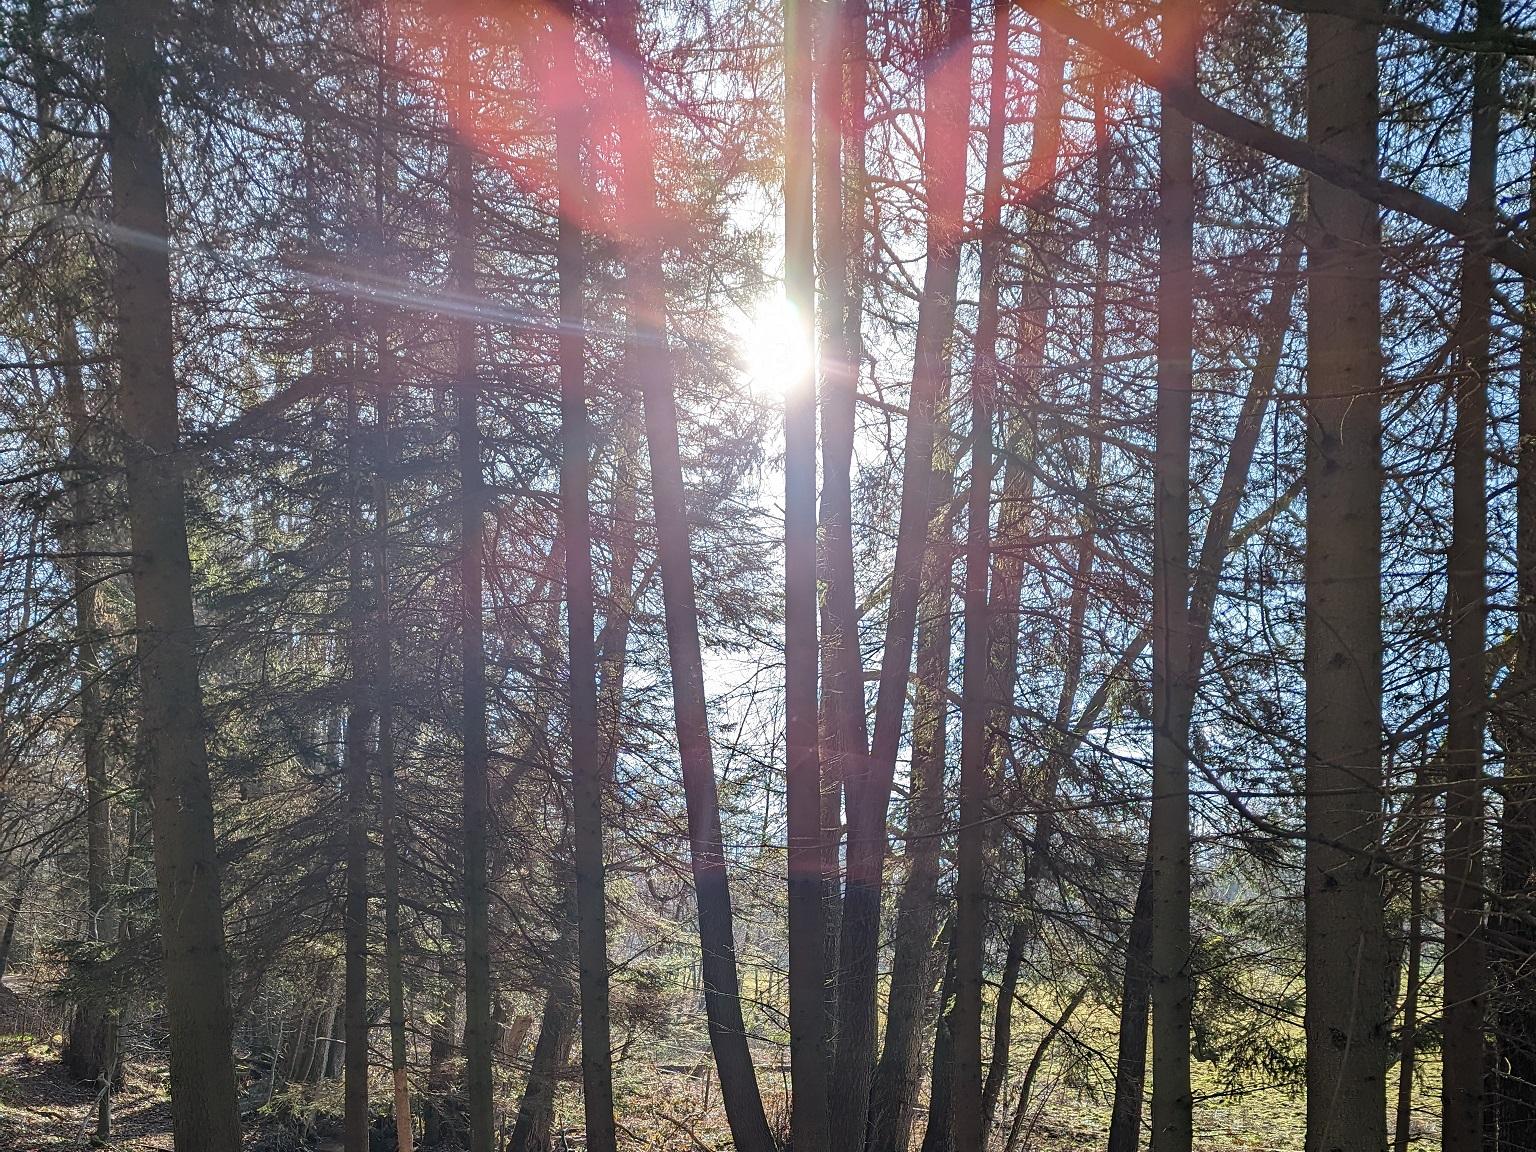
[42, 1109]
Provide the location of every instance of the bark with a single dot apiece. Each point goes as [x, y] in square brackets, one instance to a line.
[648, 365]
[939, 1136]
[1135, 1006]
[1172, 701]
[1346, 949]
[588, 777]
[383, 665]
[479, 1036]
[975, 705]
[551, 1053]
[1465, 981]
[898, 1076]
[13, 915]
[809, 1122]
[204, 1111]
[355, 800]
[868, 789]
[1515, 725]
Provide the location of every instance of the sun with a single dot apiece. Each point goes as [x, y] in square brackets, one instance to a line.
[775, 346]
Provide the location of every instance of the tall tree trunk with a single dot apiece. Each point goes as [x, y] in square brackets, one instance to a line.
[1346, 949]
[383, 657]
[204, 1111]
[1169, 843]
[587, 775]
[898, 1076]
[869, 788]
[1466, 972]
[355, 798]
[1135, 1006]
[1515, 725]
[1008, 568]
[1220, 538]
[975, 703]
[478, 1033]
[809, 1121]
[648, 363]
[842, 671]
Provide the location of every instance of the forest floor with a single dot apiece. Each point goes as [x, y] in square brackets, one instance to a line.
[42, 1109]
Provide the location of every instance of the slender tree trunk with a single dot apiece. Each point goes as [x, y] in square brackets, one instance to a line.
[1516, 728]
[843, 690]
[444, 1034]
[383, 666]
[478, 1034]
[809, 1122]
[203, 1103]
[1403, 1128]
[869, 788]
[1007, 569]
[1135, 1007]
[939, 1136]
[975, 705]
[587, 775]
[1466, 971]
[1169, 845]
[648, 363]
[898, 1076]
[1220, 538]
[13, 915]
[1346, 951]
[355, 793]
[1021, 1107]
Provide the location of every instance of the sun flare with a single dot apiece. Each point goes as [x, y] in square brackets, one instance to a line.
[775, 347]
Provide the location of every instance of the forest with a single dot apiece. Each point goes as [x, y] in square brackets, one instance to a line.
[774, 575]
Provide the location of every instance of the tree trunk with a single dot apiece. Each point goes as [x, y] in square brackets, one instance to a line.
[1021, 1107]
[13, 915]
[868, 789]
[809, 1121]
[898, 1076]
[204, 1111]
[1135, 1007]
[1346, 951]
[383, 666]
[648, 363]
[1465, 981]
[1515, 725]
[1169, 840]
[355, 798]
[535, 1115]
[939, 1136]
[587, 775]
[443, 1039]
[478, 1034]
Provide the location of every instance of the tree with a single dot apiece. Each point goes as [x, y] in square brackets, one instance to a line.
[204, 1109]
[1346, 953]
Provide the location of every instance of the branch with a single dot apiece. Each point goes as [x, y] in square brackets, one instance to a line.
[1512, 253]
